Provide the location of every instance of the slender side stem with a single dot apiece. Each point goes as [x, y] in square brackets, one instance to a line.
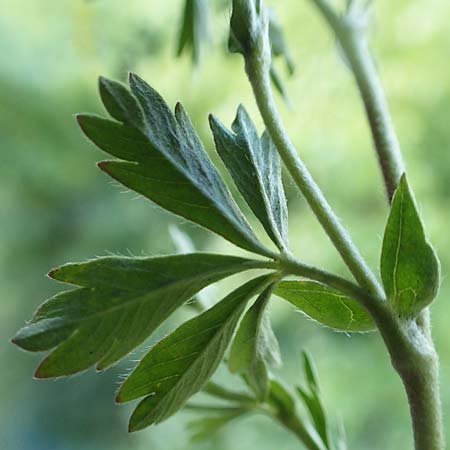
[292, 266]
[350, 33]
[260, 81]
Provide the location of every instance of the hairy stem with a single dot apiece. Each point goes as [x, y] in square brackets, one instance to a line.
[292, 266]
[409, 341]
[350, 32]
[415, 359]
[260, 80]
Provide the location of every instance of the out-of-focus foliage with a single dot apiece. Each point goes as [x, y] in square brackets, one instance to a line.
[57, 207]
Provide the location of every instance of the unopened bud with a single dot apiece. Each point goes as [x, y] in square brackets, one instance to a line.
[249, 29]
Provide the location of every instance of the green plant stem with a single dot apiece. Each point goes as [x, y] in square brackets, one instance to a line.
[409, 344]
[260, 80]
[292, 266]
[411, 349]
[414, 357]
[409, 341]
[350, 32]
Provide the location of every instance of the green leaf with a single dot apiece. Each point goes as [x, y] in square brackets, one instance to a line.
[254, 165]
[194, 28]
[310, 371]
[286, 412]
[325, 305]
[315, 408]
[409, 265]
[120, 103]
[282, 398]
[312, 400]
[179, 365]
[255, 346]
[120, 302]
[167, 163]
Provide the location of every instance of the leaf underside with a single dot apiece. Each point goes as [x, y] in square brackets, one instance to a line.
[180, 364]
[326, 306]
[409, 265]
[164, 160]
[255, 346]
[255, 167]
[118, 304]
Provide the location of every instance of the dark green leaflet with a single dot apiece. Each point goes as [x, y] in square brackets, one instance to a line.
[179, 365]
[255, 167]
[165, 161]
[119, 303]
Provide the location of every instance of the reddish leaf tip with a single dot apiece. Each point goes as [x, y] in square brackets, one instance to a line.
[39, 374]
[103, 165]
[52, 274]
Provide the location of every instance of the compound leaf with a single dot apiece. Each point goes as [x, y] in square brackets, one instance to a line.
[255, 346]
[180, 364]
[254, 165]
[119, 303]
[325, 305]
[409, 265]
[167, 163]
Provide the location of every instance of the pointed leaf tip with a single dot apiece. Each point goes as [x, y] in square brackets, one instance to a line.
[255, 167]
[409, 266]
[103, 165]
[79, 326]
[52, 274]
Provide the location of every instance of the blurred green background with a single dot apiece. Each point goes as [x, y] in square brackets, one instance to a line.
[57, 207]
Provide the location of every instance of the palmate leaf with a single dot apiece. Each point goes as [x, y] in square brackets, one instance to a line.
[194, 28]
[409, 265]
[255, 346]
[325, 305]
[119, 303]
[165, 161]
[255, 167]
[179, 365]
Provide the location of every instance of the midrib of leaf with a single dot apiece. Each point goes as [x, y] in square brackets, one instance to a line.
[217, 337]
[231, 212]
[146, 297]
[397, 252]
